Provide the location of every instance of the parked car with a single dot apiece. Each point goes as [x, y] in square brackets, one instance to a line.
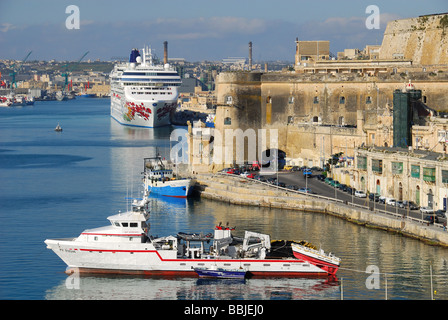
[307, 172]
[350, 190]
[399, 204]
[382, 199]
[426, 210]
[411, 205]
[287, 168]
[390, 201]
[328, 180]
[441, 213]
[431, 218]
[306, 190]
[374, 197]
[321, 177]
[281, 184]
[334, 183]
[360, 194]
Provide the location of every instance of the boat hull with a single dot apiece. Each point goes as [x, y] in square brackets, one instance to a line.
[147, 114]
[175, 188]
[325, 264]
[220, 274]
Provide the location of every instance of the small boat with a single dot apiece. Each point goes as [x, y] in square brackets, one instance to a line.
[220, 273]
[58, 128]
[307, 252]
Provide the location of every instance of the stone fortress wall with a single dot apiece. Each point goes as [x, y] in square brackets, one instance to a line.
[324, 112]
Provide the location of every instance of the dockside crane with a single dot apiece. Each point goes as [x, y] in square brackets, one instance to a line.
[15, 69]
[68, 71]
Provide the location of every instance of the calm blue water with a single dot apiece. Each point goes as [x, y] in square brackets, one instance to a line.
[58, 184]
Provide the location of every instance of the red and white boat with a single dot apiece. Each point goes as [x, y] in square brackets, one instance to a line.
[126, 247]
[325, 261]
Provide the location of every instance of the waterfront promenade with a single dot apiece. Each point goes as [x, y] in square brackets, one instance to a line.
[243, 191]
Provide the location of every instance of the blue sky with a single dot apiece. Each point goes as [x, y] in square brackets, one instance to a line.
[195, 29]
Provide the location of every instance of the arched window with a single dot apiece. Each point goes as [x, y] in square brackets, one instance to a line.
[368, 100]
[341, 100]
[229, 100]
[227, 121]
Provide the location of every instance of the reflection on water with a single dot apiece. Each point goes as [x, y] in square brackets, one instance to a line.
[141, 288]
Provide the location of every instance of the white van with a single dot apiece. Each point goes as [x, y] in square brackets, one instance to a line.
[390, 201]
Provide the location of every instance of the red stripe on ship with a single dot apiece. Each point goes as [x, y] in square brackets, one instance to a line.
[114, 234]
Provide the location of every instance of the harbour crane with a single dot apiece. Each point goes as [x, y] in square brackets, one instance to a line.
[68, 71]
[15, 69]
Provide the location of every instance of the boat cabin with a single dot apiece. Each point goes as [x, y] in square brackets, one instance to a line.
[127, 226]
[156, 170]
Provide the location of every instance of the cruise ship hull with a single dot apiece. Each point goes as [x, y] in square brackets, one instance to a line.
[146, 260]
[147, 114]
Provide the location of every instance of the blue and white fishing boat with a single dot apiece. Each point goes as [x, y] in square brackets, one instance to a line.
[159, 179]
[220, 273]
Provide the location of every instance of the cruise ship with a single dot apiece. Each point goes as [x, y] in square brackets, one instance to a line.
[143, 94]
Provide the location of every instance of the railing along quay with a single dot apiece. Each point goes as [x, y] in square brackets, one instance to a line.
[352, 204]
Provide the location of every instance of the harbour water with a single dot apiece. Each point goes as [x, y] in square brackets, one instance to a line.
[56, 184]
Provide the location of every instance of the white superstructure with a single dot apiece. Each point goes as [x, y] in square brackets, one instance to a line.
[143, 94]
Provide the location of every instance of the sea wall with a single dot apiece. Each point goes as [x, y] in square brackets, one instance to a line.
[239, 191]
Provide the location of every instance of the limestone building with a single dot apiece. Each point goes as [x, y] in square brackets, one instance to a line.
[328, 106]
[403, 174]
